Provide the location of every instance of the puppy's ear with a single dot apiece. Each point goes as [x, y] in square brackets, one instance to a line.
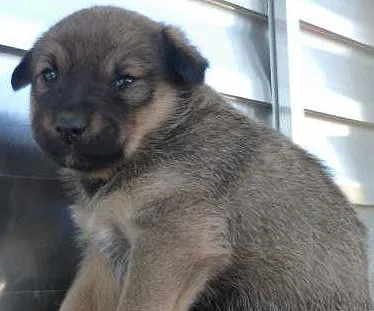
[22, 74]
[184, 64]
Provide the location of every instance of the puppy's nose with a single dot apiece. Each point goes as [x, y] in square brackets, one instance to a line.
[70, 125]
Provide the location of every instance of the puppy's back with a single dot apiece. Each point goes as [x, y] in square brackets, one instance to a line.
[298, 243]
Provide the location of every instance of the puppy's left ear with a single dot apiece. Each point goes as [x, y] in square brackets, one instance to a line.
[22, 73]
[184, 63]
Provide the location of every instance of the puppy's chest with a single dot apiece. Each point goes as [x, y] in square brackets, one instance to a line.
[112, 223]
[108, 226]
[113, 244]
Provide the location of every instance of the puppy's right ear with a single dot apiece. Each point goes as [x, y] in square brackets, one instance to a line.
[21, 76]
[184, 63]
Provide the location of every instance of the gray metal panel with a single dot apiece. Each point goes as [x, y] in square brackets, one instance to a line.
[279, 62]
[350, 18]
[346, 148]
[337, 78]
[259, 6]
[236, 44]
[261, 112]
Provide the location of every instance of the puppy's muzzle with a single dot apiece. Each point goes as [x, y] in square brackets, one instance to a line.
[71, 125]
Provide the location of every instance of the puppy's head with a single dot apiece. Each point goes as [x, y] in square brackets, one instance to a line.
[101, 80]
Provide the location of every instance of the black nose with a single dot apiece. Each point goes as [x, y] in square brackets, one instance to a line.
[70, 125]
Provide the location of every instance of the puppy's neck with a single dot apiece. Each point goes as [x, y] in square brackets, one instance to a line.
[92, 186]
[82, 186]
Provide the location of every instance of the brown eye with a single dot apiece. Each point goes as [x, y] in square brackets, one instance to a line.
[123, 81]
[49, 75]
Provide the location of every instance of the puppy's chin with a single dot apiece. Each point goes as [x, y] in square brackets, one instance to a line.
[90, 163]
[86, 163]
[79, 158]
[88, 156]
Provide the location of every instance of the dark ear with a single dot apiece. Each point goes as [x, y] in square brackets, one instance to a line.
[184, 64]
[22, 74]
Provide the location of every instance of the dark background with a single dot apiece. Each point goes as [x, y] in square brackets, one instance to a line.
[38, 256]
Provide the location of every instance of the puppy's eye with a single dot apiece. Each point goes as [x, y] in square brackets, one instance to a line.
[49, 75]
[123, 81]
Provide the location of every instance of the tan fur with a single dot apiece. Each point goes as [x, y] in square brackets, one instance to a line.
[189, 258]
[136, 72]
[149, 118]
[33, 107]
[47, 122]
[96, 123]
[87, 292]
[126, 66]
[106, 173]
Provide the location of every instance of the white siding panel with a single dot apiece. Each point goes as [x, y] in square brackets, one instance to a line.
[235, 44]
[348, 150]
[337, 78]
[350, 18]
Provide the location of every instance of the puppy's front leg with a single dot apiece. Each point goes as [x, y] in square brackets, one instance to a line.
[95, 288]
[167, 271]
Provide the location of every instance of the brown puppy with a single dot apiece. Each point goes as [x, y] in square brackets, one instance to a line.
[184, 204]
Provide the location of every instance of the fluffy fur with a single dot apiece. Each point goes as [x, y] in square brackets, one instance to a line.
[183, 202]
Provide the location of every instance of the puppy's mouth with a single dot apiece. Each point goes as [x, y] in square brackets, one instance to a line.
[77, 158]
[87, 155]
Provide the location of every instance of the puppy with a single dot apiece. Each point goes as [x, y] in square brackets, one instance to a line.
[183, 203]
